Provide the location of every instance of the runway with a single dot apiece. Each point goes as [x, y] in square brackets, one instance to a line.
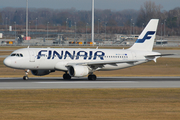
[103, 82]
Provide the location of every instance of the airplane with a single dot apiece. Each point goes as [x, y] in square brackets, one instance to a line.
[77, 62]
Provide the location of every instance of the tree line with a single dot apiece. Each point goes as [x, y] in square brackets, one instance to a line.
[115, 22]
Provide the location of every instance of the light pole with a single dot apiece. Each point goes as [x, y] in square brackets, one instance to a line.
[29, 28]
[131, 25]
[6, 26]
[142, 26]
[92, 22]
[161, 32]
[26, 18]
[71, 26]
[133, 28]
[66, 23]
[15, 30]
[164, 27]
[75, 32]
[98, 28]
[36, 24]
[47, 30]
[105, 31]
[178, 19]
[86, 31]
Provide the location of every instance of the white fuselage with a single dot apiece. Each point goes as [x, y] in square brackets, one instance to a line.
[59, 58]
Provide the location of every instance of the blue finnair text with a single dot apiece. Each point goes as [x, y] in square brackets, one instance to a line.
[72, 55]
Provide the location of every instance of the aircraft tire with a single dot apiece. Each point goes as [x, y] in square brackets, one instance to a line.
[66, 77]
[92, 77]
[25, 78]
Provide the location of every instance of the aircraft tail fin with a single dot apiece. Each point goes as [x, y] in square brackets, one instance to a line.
[146, 39]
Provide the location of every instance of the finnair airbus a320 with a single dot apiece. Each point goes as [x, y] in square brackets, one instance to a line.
[83, 62]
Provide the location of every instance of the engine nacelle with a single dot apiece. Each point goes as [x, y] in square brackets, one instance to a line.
[78, 71]
[41, 72]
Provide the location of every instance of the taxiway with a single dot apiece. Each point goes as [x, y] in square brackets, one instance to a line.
[111, 82]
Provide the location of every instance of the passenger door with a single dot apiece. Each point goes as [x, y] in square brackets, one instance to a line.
[32, 56]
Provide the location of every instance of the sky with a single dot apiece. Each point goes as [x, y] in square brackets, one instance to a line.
[86, 4]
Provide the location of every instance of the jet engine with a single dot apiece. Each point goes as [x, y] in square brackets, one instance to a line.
[41, 72]
[78, 71]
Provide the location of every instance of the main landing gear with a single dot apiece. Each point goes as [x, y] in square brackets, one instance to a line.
[92, 77]
[66, 76]
[26, 75]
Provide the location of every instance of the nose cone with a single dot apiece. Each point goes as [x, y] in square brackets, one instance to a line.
[7, 62]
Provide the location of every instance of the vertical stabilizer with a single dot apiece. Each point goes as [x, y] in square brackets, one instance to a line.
[146, 39]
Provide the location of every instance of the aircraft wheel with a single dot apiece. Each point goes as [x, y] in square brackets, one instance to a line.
[66, 77]
[92, 77]
[25, 78]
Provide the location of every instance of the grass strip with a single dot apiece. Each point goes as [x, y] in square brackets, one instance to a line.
[90, 104]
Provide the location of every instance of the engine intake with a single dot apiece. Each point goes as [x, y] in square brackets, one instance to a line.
[78, 71]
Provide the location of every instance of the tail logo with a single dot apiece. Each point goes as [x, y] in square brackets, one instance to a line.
[146, 37]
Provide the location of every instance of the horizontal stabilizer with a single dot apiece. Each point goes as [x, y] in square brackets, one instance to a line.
[154, 57]
[161, 55]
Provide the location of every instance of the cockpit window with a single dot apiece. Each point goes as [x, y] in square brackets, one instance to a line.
[17, 54]
[13, 54]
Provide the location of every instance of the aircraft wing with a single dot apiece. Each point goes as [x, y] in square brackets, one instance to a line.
[105, 62]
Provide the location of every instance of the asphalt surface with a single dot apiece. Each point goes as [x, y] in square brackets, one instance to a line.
[111, 82]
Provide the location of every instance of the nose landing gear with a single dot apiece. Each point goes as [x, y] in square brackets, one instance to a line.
[26, 75]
